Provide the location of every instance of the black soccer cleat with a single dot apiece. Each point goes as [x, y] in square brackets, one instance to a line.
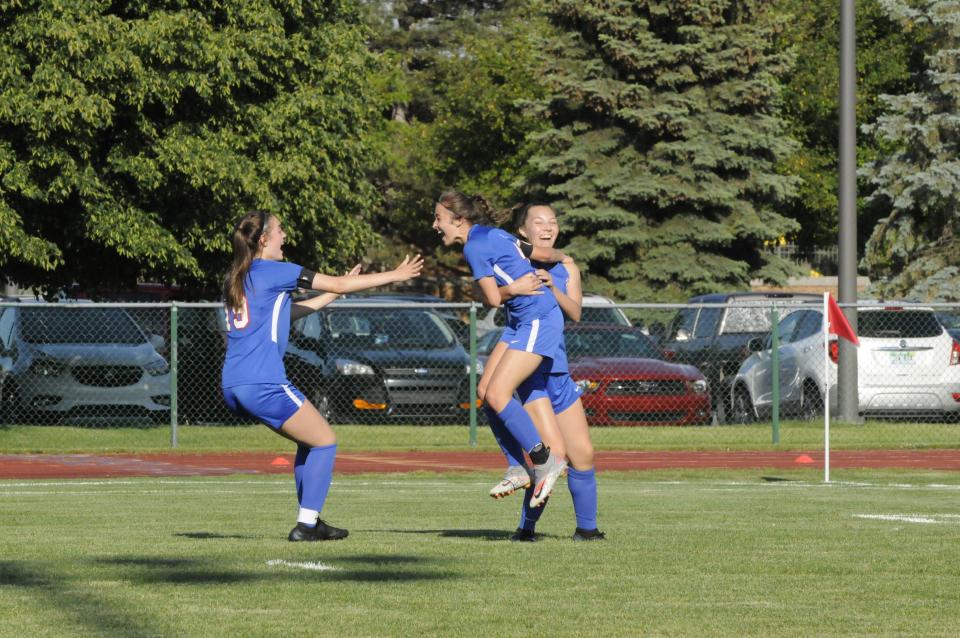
[588, 535]
[322, 532]
[523, 536]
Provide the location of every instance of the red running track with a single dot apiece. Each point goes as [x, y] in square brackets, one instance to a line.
[48, 466]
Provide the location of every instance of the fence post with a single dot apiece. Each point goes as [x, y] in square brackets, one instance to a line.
[173, 375]
[473, 374]
[775, 372]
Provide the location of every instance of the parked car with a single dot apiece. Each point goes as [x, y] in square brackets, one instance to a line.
[714, 338]
[66, 362]
[949, 318]
[596, 309]
[908, 365]
[382, 363]
[624, 380]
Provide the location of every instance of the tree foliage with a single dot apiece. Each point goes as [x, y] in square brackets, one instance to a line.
[133, 134]
[664, 143]
[914, 252]
[457, 76]
[886, 61]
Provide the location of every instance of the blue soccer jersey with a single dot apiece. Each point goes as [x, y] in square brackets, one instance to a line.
[257, 335]
[561, 277]
[493, 252]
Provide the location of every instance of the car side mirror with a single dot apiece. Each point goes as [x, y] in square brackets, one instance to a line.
[756, 344]
[158, 342]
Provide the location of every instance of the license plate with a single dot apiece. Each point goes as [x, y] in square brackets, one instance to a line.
[902, 358]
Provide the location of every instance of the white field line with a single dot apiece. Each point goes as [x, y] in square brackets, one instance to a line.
[913, 518]
[317, 567]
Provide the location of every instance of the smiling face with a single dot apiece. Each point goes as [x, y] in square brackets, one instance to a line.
[540, 227]
[271, 241]
[452, 229]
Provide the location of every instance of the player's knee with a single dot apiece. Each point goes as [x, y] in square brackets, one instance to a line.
[581, 458]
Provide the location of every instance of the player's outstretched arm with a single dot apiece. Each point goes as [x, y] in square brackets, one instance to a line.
[544, 254]
[408, 269]
[306, 306]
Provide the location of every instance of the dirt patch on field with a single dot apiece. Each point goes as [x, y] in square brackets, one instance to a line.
[46, 466]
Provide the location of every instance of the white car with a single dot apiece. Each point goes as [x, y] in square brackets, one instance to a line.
[596, 309]
[908, 365]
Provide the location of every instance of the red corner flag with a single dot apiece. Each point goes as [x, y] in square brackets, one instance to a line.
[838, 322]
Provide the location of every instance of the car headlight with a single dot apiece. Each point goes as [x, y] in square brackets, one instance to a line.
[47, 368]
[479, 368]
[157, 368]
[350, 367]
[586, 385]
[698, 387]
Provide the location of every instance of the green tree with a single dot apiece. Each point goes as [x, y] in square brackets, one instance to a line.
[455, 80]
[133, 134]
[886, 59]
[664, 144]
[914, 252]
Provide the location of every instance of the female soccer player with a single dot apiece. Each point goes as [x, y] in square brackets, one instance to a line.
[497, 258]
[259, 311]
[550, 396]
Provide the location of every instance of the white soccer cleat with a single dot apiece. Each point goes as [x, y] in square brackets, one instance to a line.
[516, 478]
[544, 478]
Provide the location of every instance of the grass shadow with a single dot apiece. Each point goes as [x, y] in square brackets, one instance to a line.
[214, 535]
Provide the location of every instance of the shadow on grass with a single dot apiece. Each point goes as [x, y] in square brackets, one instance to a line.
[213, 535]
[481, 534]
[90, 614]
[376, 568]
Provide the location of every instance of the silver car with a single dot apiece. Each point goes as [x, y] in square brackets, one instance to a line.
[908, 365]
[63, 362]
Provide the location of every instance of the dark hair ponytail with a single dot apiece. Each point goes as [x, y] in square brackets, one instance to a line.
[473, 208]
[246, 239]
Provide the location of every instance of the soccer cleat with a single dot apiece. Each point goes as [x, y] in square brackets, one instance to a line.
[516, 478]
[524, 536]
[588, 535]
[322, 532]
[545, 476]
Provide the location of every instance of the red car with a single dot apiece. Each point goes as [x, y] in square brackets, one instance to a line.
[625, 380]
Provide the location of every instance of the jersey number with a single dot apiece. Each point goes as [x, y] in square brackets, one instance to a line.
[240, 319]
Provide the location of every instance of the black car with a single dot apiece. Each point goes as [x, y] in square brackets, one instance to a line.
[715, 338]
[384, 359]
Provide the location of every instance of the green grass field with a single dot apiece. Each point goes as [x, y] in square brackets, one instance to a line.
[794, 435]
[688, 554]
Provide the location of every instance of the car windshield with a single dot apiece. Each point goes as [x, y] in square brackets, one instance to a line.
[898, 324]
[607, 343]
[752, 318]
[388, 328]
[80, 325]
[601, 314]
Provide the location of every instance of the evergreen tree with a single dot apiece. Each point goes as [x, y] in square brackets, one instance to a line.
[132, 135]
[914, 252]
[664, 144]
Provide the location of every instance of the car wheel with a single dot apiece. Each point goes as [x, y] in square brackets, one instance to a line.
[811, 403]
[323, 404]
[742, 409]
[9, 403]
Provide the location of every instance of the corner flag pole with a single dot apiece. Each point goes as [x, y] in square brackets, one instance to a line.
[826, 389]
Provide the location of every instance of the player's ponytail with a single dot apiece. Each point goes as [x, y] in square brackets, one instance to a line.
[246, 239]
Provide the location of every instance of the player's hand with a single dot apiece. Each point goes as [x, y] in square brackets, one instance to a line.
[545, 277]
[409, 268]
[527, 285]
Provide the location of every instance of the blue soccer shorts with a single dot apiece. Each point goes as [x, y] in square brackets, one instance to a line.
[271, 403]
[543, 335]
[558, 388]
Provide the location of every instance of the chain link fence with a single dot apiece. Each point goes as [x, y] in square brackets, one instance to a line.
[707, 375]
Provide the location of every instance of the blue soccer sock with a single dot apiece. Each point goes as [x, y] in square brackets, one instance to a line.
[317, 476]
[530, 515]
[302, 451]
[508, 444]
[518, 423]
[583, 488]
